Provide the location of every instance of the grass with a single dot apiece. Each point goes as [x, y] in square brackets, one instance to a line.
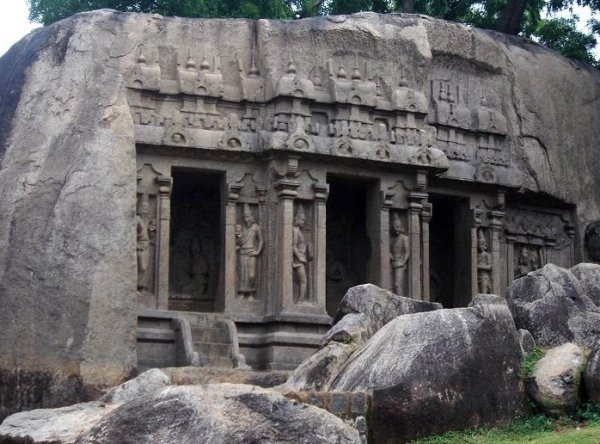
[530, 360]
[583, 428]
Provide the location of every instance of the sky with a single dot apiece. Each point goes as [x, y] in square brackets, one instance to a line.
[14, 23]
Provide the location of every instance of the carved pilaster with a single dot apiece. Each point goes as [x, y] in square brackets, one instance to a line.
[510, 259]
[320, 240]
[426, 215]
[496, 218]
[384, 241]
[165, 185]
[477, 215]
[286, 193]
[414, 233]
[230, 257]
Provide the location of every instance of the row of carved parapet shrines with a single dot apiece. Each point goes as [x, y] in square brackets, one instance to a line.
[450, 110]
[331, 84]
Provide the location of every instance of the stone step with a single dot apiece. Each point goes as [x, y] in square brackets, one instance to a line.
[213, 349]
[156, 334]
[210, 335]
[216, 363]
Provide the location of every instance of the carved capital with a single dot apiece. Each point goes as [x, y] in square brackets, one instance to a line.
[387, 199]
[233, 192]
[286, 167]
[165, 185]
[286, 188]
[421, 180]
[321, 192]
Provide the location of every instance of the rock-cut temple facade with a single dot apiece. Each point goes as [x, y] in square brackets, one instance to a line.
[231, 179]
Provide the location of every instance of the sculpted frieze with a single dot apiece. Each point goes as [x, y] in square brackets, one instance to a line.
[292, 85]
[448, 109]
[408, 99]
[338, 110]
[541, 228]
[354, 88]
[253, 87]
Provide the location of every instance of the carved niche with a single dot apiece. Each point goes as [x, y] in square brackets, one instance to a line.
[302, 252]
[484, 263]
[592, 240]
[249, 237]
[399, 253]
[538, 237]
[153, 189]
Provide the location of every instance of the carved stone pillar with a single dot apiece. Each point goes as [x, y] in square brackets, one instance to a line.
[384, 241]
[414, 233]
[426, 215]
[286, 193]
[510, 259]
[165, 185]
[230, 256]
[153, 217]
[496, 218]
[474, 232]
[320, 241]
[378, 228]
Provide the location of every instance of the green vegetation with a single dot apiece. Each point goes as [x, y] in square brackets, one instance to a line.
[530, 360]
[583, 428]
[522, 17]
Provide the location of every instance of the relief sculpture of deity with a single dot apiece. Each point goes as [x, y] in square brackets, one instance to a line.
[249, 242]
[399, 254]
[484, 265]
[301, 256]
[145, 229]
[527, 261]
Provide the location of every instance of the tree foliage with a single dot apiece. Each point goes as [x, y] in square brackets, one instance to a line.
[535, 19]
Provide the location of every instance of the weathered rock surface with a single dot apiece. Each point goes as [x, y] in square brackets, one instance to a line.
[363, 310]
[206, 375]
[556, 379]
[589, 277]
[591, 376]
[316, 372]
[57, 426]
[437, 371]
[67, 199]
[555, 306]
[215, 413]
[148, 382]
[219, 413]
[366, 308]
[526, 342]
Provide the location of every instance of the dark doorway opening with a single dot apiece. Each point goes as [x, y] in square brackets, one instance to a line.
[195, 246]
[348, 246]
[450, 251]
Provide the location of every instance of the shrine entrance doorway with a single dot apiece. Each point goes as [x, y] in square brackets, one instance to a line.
[348, 249]
[195, 240]
[450, 251]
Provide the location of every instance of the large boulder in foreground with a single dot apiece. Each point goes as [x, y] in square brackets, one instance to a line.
[219, 413]
[361, 313]
[591, 376]
[56, 426]
[212, 413]
[555, 306]
[589, 278]
[366, 308]
[437, 371]
[555, 382]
